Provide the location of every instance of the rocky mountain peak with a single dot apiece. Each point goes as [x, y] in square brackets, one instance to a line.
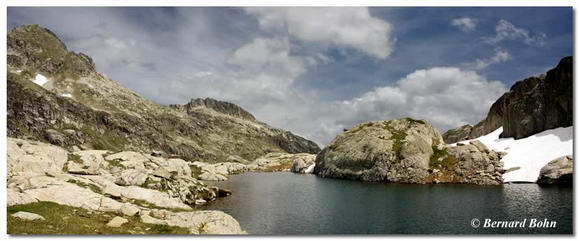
[36, 49]
[220, 106]
[77, 107]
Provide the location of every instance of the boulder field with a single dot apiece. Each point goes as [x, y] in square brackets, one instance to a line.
[157, 190]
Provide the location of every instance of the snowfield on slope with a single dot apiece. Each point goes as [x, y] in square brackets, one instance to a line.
[529, 154]
[40, 80]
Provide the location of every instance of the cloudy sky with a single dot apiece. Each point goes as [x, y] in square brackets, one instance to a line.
[316, 71]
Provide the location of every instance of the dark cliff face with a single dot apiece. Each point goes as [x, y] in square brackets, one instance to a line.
[101, 114]
[535, 105]
[531, 106]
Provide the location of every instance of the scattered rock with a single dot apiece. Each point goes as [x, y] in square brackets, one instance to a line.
[27, 216]
[117, 222]
[218, 171]
[156, 153]
[208, 176]
[276, 162]
[303, 162]
[129, 210]
[55, 137]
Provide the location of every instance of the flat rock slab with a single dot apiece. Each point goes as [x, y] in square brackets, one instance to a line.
[27, 216]
[117, 222]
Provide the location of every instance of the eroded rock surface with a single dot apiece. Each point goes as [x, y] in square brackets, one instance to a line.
[39, 172]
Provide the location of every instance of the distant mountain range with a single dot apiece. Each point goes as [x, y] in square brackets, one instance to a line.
[57, 96]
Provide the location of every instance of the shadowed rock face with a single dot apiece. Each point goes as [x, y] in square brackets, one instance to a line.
[79, 107]
[531, 106]
[535, 105]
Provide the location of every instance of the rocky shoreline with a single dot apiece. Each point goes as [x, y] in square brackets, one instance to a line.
[148, 188]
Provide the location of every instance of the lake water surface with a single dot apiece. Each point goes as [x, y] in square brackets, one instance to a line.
[288, 203]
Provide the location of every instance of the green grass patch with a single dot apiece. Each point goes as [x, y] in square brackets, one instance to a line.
[441, 159]
[116, 163]
[397, 136]
[75, 158]
[89, 186]
[104, 141]
[195, 171]
[62, 219]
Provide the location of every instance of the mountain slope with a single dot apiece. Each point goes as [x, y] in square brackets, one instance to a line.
[531, 106]
[77, 106]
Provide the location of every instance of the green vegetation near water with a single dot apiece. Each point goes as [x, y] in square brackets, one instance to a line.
[60, 219]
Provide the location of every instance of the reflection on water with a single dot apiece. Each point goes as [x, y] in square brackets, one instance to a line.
[287, 203]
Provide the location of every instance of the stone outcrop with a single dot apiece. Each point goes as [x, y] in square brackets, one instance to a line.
[406, 151]
[304, 164]
[98, 113]
[219, 106]
[394, 151]
[531, 106]
[537, 104]
[117, 222]
[278, 162]
[558, 171]
[27, 216]
[471, 163]
[218, 171]
[40, 172]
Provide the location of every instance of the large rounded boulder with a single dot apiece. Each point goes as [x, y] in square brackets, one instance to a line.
[394, 151]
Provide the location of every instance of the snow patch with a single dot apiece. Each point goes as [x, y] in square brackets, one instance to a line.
[40, 80]
[310, 169]
[529, 154]
[68, 95]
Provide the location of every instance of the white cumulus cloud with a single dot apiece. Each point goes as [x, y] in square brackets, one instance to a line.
[350, 27]
[464, 24]
[447, 97]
